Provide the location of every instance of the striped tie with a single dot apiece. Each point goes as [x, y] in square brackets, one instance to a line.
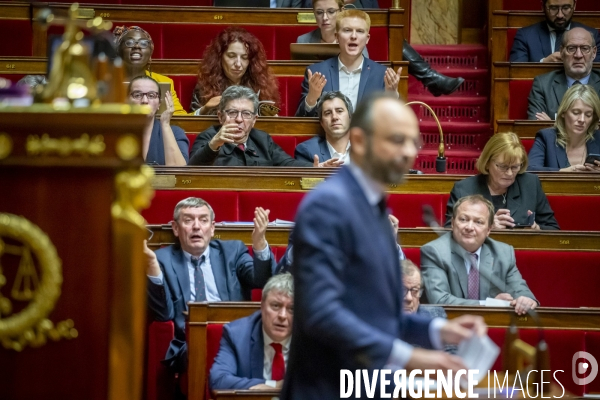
[473, 287]
[199, 284]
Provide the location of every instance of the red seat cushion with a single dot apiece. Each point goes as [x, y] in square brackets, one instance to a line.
[407, 208]
[517, 98]
[290, 88]
[287, 143]
[567, 210]
[184, 86]
[534, 5]
[224, 204]
[17, 38]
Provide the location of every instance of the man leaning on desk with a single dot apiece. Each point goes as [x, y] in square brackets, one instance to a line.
[465, 266]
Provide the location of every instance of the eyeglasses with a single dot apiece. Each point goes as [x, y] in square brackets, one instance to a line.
[330, 13]
[584, 49]
[234, 113]
[414, 292]
[565, 9]
[137, 95]
[143, 43]
[505, 168]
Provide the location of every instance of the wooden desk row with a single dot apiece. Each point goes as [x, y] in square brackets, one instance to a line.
[301, 179]
[409, 238]
[203, 314]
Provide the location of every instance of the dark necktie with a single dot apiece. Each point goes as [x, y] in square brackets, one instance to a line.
[559, 36]
[199, 284]
[278, 369]
[241, 147]
[473, 285]
[576, 83]
[382, 205]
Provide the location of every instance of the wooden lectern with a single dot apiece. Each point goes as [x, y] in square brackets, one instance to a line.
[72, 273]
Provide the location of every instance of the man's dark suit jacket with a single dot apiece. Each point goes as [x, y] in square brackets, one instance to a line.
[547, 155]
[240, 361]
[348, 291]
[371, 80]
[532, 43]
[524, 194]
[306, 150]
[548, 90]
[236, 274]
[260, 151]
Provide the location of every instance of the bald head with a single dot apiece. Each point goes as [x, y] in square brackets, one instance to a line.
[578, 52]
[384, 138]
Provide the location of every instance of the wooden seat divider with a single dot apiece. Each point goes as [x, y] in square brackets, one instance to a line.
[201, 315]
[184, 32]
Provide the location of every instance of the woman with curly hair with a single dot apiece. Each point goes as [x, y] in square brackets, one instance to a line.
[234, 57]
[135, 46]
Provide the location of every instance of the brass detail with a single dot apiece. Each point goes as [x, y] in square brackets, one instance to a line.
[11, 66]
[217, 236]
[30, 326]
[65, 146]
[134, 193]
[564, 241]
[289, 183]
[392, 186]
[86, 13]
[105, 15]
[164, 181]
[6, 145]
[310, 183]
[395, 3]
[218, 17]
[306, 18]
[596, 187]
[186, 181]
[524, 352]
[522, 318]
[128, 147]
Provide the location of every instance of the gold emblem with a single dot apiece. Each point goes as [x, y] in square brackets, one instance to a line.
[128, 147]
[5, 146]
[38, 285]
[134, 193]
[64, 147]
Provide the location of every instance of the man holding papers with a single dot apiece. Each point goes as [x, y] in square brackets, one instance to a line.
[465, 266]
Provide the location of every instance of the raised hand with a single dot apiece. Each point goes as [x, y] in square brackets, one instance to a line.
[261, 221]
[165, 117]
[211, 104]
[391, 79]
[228, 133]
[316, 83]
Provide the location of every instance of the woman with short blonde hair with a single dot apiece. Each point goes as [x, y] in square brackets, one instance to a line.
[573, 138]
[502, 180]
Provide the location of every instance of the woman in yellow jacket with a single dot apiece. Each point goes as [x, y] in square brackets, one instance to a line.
[135, 46]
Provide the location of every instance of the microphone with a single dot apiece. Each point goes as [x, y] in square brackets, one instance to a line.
[440, 162]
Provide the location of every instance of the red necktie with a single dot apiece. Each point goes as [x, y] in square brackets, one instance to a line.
[241, 147]
[278, 370]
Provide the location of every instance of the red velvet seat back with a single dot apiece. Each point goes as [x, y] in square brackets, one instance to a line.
[401, 203]
[214, 332]
[17, 38]
[159, 381]
[534, 5]
[517, 101]
[584, 216]
[224, 204]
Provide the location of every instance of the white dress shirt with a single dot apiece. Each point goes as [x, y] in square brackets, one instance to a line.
[401, 351]
[345, 157]
[270, 353]
[553, 38]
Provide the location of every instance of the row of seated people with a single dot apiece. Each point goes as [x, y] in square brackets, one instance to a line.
[456, 268]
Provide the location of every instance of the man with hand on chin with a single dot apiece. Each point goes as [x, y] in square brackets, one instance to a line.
[350, 73]
[236, 142]
[200, 269]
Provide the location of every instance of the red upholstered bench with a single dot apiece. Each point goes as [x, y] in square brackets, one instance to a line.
[582, 217]
[534, 5]
[159, 382]
[21, 36]
[517, 101]
[224, 204]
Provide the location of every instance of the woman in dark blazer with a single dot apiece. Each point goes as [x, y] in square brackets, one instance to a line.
[502, 179]
[574, 136]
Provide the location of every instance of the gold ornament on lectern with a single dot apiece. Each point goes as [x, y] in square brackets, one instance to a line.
[30, 326]
[134, 193]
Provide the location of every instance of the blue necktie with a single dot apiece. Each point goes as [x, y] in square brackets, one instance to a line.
[199, 284]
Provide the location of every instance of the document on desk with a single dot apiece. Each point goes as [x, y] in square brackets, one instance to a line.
[490, 302]
[478, 352]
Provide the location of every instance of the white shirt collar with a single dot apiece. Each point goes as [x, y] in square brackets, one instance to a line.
[188, 257]
[372, 190]
[335, 154]
[342, 67]
[285, 344]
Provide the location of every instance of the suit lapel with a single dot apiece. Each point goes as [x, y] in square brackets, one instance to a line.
[364, 78]
[219, 272]
[257, 351]
[181, 270]
[458, 262]
[559, 89]
[335, 73]
[561, 156]
[486, 270]
[514, 197]
[544, 37]
[324, 149]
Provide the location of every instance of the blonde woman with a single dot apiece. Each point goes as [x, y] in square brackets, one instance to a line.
[502, 180]
[575, 135]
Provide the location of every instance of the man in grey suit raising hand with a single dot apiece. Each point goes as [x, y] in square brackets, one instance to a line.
[465, 266]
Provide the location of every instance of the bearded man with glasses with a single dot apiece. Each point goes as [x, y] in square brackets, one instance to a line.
[541, 42]
[578, 52]
[235, 141]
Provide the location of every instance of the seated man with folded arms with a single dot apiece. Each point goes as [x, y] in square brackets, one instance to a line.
[465, 266]
[413, 289]
[540, 42]
[335, 111]
[200, 269]
[235, 142]
[578, 51]
[254, 350]
[351, 73]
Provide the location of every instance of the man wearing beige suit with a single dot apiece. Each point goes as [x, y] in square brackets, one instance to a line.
[465, 266]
